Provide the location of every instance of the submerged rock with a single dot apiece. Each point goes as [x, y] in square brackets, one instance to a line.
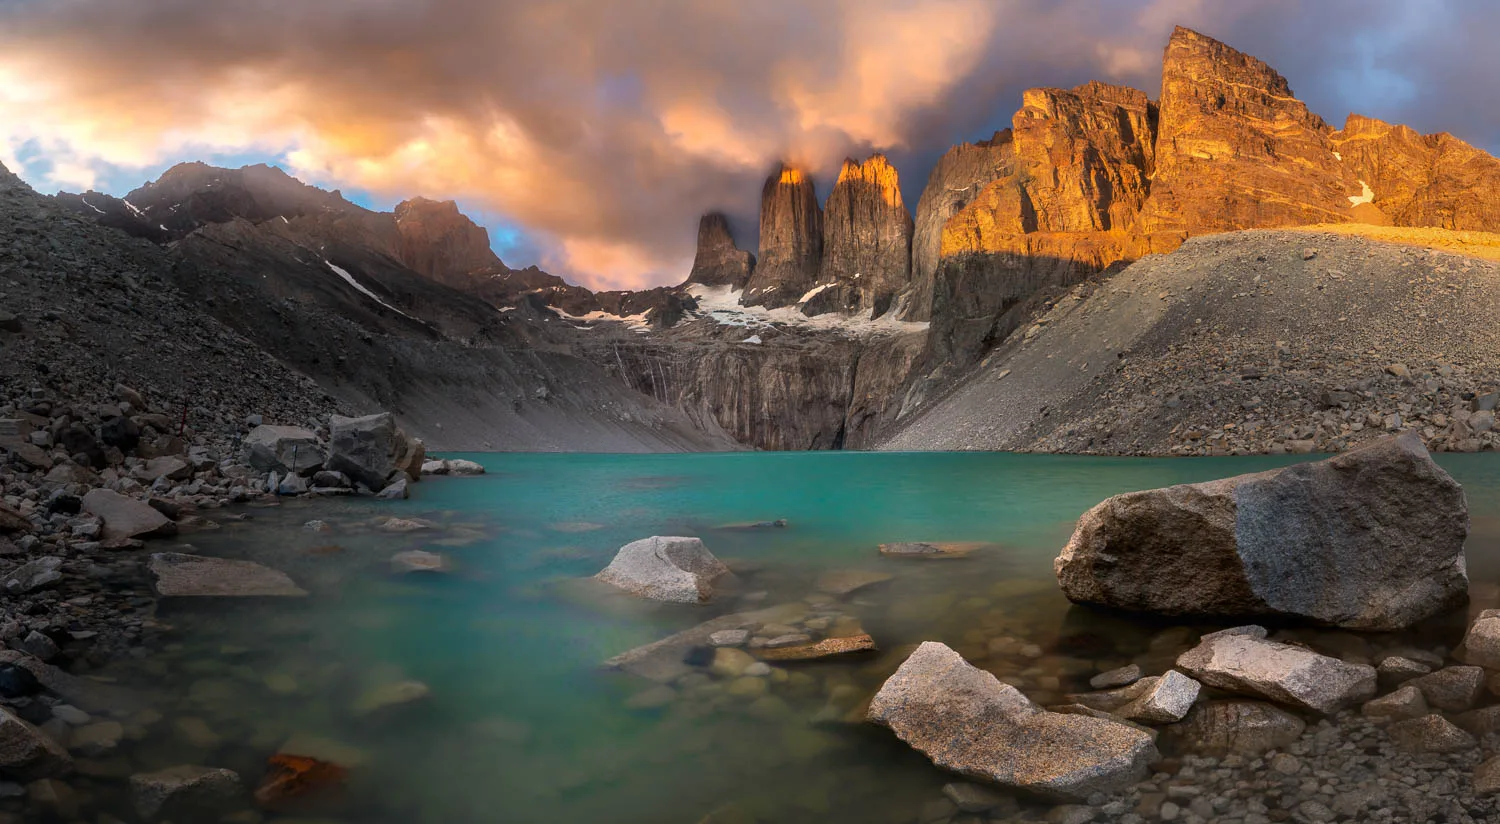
[1280, 672]
[826, 648]
[1370, 539]
[1404, 703]
[1430, 733]
[416, 560]
[929, 549]
[186, 793]
[1237, 727]
[177, 575]
[676, 570]
[968, 721]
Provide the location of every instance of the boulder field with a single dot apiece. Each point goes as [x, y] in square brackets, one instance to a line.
[1371, 539]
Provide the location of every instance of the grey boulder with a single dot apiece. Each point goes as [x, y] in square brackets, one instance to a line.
[126, 518]
[283, 449]
[968, 721]
[1279, 672]
[177, 575]
[1371, 539]
[34, 574]
[373, 448]
[678, 570]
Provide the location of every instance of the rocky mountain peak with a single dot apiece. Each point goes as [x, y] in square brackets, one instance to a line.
[439, 241]
[1235, 149]
[719, 262]
[866, 240]
[791, 240]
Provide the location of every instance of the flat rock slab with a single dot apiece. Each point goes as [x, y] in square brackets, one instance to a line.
[843, 582]
[663, 660]
[176, 575]
[126, 518]
[826, 648]
[1279, 672]
[671, 569]
[930, 549]
[968, 721]
[1371, 539]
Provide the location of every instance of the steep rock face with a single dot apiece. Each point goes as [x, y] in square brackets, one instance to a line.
[791, 241]
[1065, 204]
[1236, 150]
[866, 240]
[818, 392]
[954, 182]
[1085, 157]
[440, 242]
[719, 262]
[1420, 180]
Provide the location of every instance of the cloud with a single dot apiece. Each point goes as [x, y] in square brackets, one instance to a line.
[604, 129]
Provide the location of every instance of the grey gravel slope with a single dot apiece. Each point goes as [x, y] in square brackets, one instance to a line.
[1258, 341]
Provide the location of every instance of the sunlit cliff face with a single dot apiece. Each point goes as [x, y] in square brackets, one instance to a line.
[602, 129]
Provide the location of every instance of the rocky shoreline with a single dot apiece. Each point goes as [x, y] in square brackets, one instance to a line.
[88, 490]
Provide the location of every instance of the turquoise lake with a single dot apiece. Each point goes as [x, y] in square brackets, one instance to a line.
[522, 724]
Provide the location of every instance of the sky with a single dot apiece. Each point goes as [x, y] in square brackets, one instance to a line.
[589, 136]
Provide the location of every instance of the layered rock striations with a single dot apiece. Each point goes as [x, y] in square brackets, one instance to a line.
[867, 236]
[718, 261]
[791, 241]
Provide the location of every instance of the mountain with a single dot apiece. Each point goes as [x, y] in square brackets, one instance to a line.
[866, 241]
[358, 302]
[857, 324]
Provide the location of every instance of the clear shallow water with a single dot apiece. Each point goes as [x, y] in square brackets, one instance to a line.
[522, 724]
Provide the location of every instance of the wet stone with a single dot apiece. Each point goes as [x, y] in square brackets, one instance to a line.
[1454, 689]
[1430, 734]
[1406, 702]
[1124, 676]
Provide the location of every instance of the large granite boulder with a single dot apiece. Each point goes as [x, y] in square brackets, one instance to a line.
[1242, 661]
[126, 518]
[373, 448]
[966, 720]
[283, 449]
[26, 753]
[678, 570]
[1371, 539]
[177, 575]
